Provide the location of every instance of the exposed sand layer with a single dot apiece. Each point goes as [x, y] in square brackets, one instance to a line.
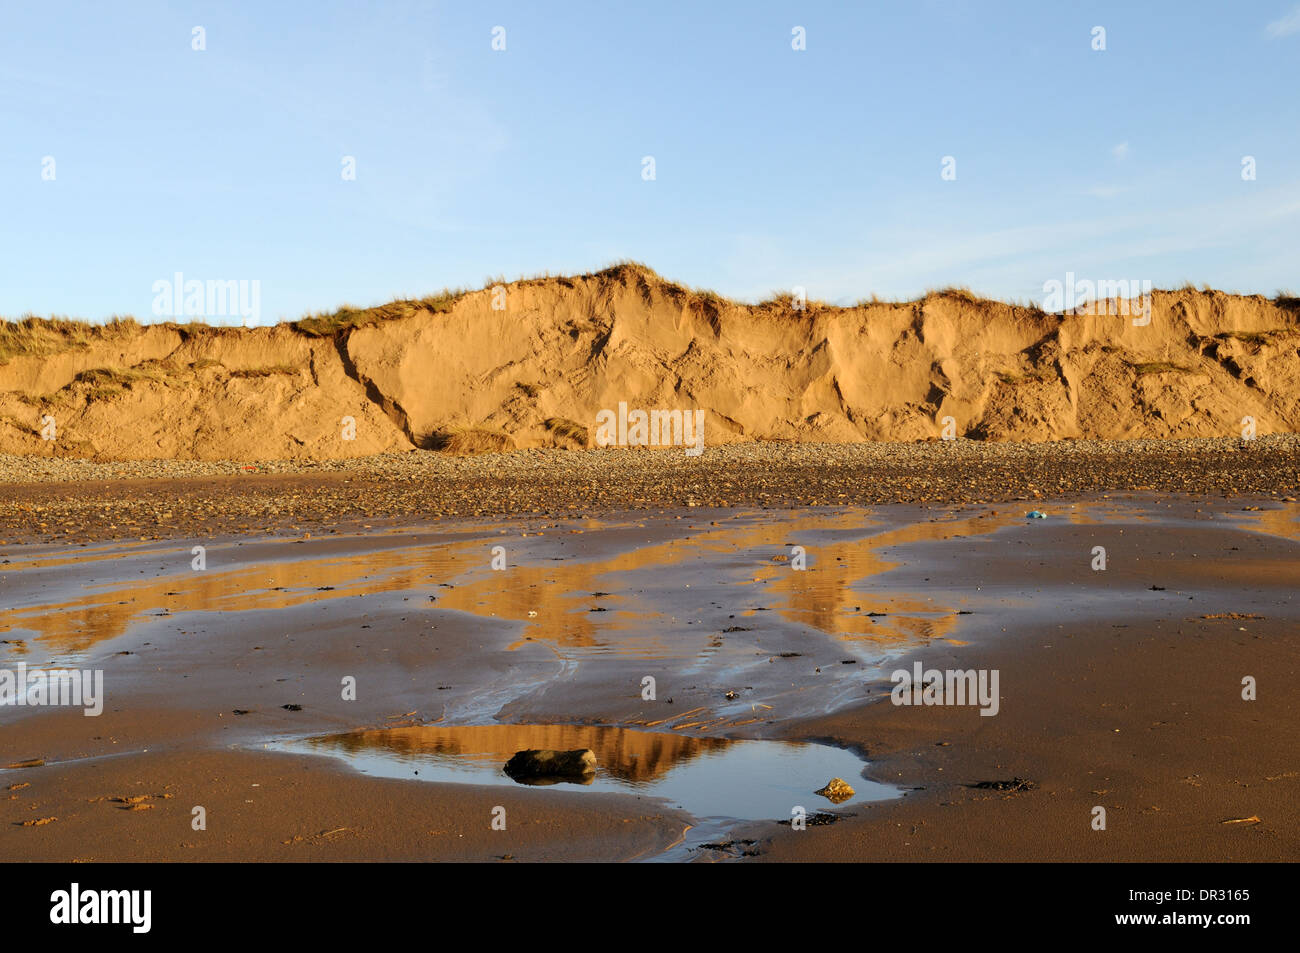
[456, 371]
[1119, 688]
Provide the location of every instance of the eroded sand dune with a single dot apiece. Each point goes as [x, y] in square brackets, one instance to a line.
[537, 373]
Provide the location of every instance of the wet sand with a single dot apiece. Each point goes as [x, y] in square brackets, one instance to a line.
[1107, 684]
[1137, 710]
[1148, 725]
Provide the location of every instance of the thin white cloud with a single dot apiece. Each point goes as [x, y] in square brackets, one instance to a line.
[1002, 260]
[1105, 191]
[1286, 25]
[1120, 151]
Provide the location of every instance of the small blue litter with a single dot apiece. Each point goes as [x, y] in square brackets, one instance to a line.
[1036, 515]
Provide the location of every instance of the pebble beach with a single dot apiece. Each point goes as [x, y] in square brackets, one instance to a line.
[68, 499]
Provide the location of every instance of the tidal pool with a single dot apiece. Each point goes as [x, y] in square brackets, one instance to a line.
[706, 777]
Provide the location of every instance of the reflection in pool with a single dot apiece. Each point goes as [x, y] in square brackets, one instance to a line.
[706, 777]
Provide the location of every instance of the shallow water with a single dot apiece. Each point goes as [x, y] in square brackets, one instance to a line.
[571, 586]
[709, 605]
[706, 777]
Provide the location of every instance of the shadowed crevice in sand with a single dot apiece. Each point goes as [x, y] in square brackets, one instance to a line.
[391, 408]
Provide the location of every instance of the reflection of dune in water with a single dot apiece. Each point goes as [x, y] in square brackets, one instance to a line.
[550, 588]
[75, 625]
[830, 594]
[85, 555]
[1283, 521]
[632, 756]
[706, 777]
[822, 597]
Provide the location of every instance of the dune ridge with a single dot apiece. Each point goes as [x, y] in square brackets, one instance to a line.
[454, 373]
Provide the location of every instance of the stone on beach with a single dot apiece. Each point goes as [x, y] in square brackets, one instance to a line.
[545, 763]
[836, 790]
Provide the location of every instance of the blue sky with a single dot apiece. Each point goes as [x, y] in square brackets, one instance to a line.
[773, 167]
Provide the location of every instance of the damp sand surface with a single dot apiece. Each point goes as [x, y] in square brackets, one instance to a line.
[219, 675]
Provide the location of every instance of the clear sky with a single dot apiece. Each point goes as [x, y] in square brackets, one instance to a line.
[774, 167]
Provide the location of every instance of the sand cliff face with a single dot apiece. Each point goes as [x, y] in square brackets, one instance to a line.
[463, 374]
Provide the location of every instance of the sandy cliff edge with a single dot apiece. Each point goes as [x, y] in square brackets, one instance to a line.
[453, 372]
